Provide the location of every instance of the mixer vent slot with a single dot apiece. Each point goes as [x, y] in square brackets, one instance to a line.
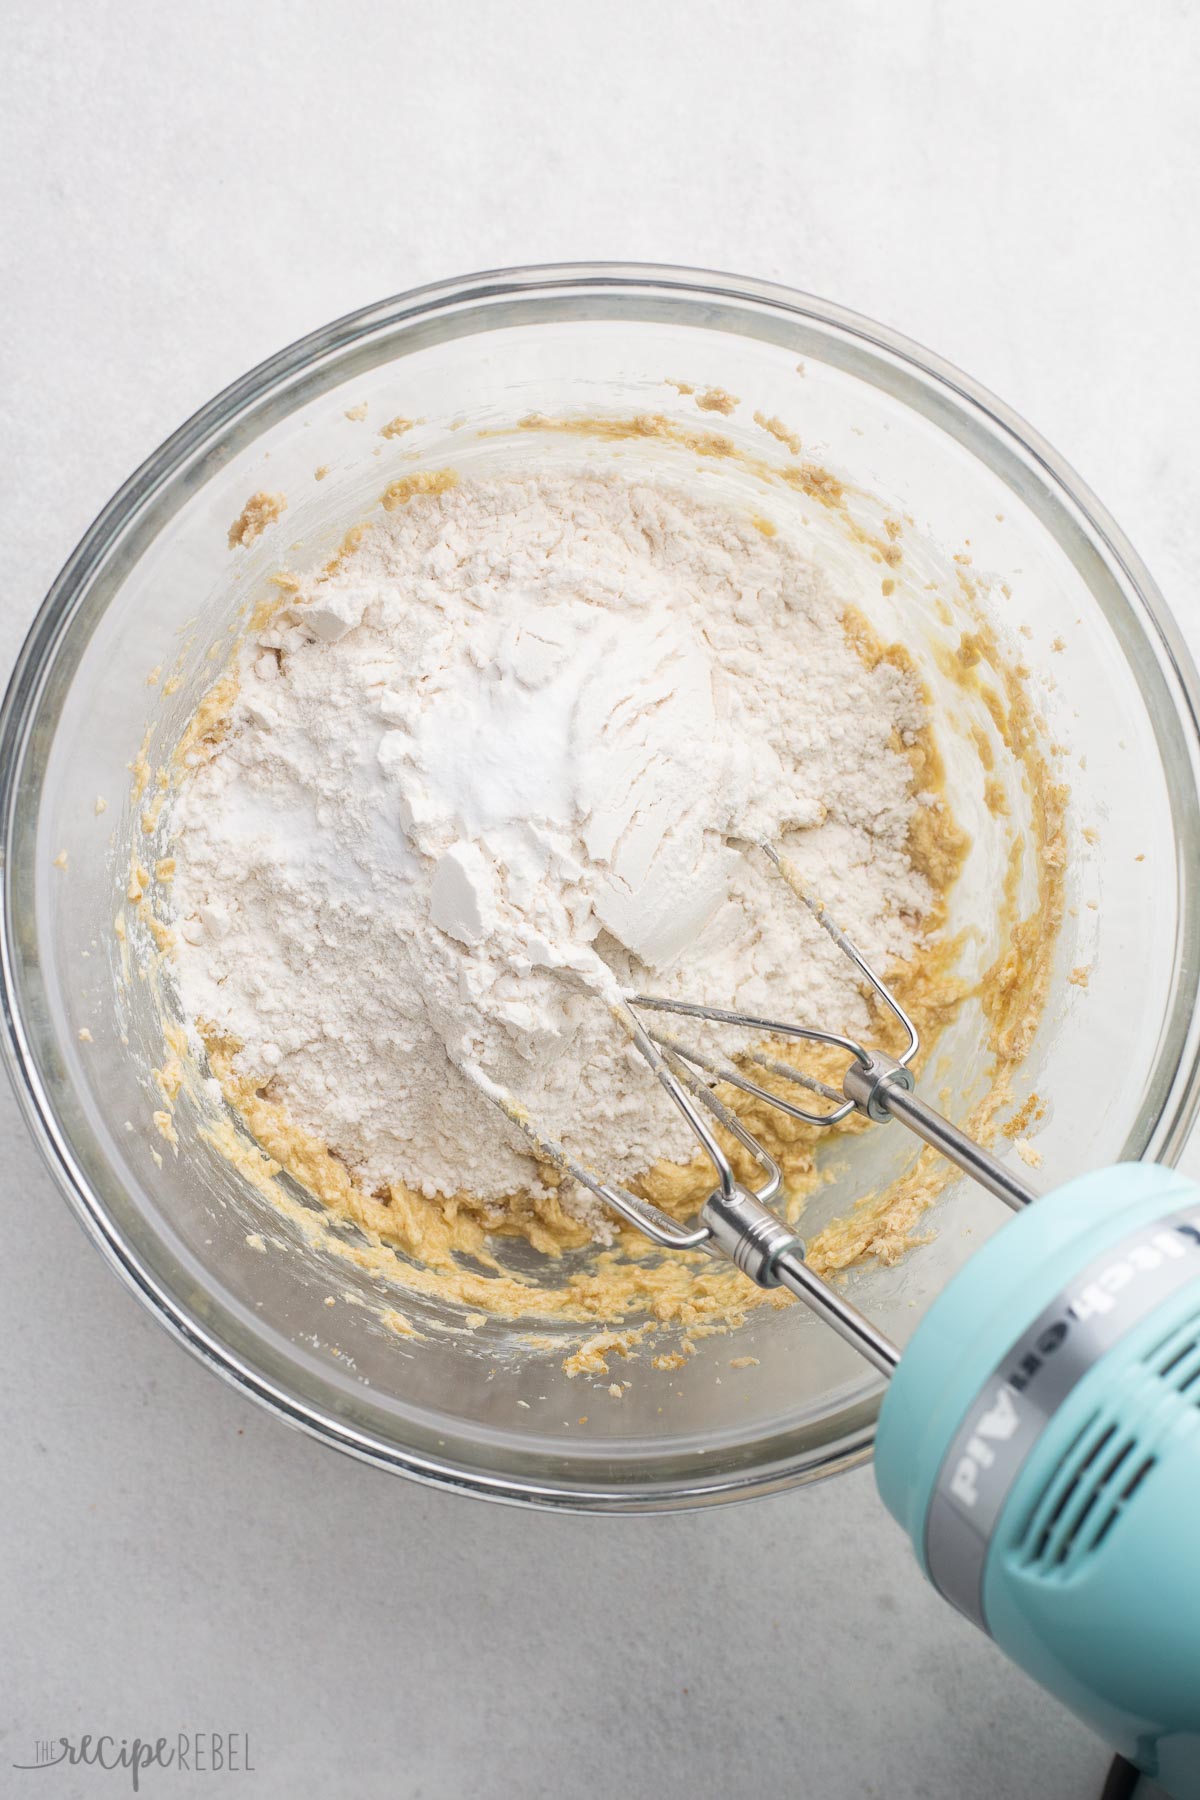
[1109, 1459]
[1079, 1506]
[1177, 1361]
[1127, 1492]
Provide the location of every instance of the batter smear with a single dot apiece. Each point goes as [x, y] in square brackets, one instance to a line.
[519, 744]
[521, 740]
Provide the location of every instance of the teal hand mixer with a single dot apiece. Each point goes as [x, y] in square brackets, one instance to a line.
[1040, 1436]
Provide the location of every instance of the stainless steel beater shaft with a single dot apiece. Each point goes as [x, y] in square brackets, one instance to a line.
[761, 1245]
[876, 1085]
[795, 1275]
[735, 1222]
[882, 1089]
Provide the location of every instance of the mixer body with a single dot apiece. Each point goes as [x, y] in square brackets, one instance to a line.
[1040, 1443]
[1040, 1440]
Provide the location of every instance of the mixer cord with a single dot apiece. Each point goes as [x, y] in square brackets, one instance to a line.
[1121, 1781]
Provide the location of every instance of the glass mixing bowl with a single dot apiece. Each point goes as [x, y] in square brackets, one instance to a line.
[155, 585]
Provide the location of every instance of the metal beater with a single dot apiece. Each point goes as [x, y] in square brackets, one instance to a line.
[738, 1222]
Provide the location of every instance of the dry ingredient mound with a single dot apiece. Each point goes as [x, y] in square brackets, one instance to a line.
[516, 746]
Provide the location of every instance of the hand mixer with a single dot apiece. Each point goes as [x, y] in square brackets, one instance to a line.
[1040, 1437]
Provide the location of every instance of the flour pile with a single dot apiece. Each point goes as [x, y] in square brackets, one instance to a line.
[507, 753]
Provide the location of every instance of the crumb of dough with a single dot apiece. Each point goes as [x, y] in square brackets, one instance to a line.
[424, 481]
[1089, 834]
[1140, 857]
[357, 413]
[162, 934]
[814, 481]
[60, 861]
[1054, 854]
[348, 545]
[261, 509]
[151, 814]
[396, 1321]
[157, 1158]
[1033, 1109]
[100, 806]
[800, 369]
[152, 677]
[169, 1079]
[1028, 1153]
[682, 387]
[1058, 644]
[744, 1362]
[779, 430]
[164, 1124]
[616, 1390]
[396, 427]
[85, 1036]
[715, 399]
[329, 1300]
[164, 868]
[474, 1320]
[703, 443]
[255, 1240]
[1079, 976]
[887, 586]
[591, 1358]
[768, 529]
[674, 1360]
[320, 472]
[995, 798]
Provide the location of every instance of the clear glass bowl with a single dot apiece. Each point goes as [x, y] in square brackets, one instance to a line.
[154, 583]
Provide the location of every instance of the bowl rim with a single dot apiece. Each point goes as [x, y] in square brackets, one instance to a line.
[53, 620]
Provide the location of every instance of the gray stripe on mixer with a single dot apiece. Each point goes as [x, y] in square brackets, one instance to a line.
[1109, 1296]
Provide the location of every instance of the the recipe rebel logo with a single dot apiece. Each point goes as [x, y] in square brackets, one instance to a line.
[186, 1752]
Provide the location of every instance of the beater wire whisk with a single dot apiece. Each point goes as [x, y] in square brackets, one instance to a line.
[736, 1221]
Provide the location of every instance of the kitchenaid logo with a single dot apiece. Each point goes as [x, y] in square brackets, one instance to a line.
[1107, 1292]
[189, 1752]
[995, 1425]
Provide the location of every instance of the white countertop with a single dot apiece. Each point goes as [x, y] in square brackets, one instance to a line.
[180, 200]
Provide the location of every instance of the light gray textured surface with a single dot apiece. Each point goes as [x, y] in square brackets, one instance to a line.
[186, 189]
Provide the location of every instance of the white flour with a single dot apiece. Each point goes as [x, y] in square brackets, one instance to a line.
[496, 760]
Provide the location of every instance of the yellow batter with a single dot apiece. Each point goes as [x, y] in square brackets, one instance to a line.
[630, 1290]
